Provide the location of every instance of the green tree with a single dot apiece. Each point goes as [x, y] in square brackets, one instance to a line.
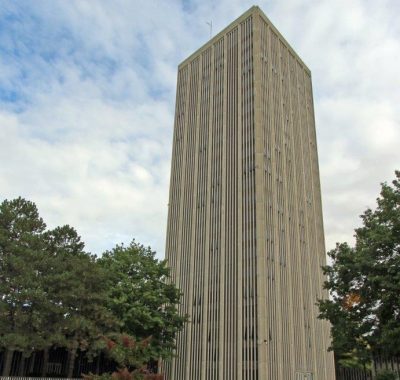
[22, 299]
[364, 284]
[142, 298]
[77, 288]
[52, 293]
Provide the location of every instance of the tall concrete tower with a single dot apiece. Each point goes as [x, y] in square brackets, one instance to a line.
[245, 236]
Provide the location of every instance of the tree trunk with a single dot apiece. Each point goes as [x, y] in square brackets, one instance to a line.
[71, 363]
[21, 367]
[31, 363]
[8, 356]
[98, 364]
[373, 367]
[45, 362]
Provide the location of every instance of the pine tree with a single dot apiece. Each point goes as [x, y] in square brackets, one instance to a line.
[54, 294]
[77, 287]
[22, 299]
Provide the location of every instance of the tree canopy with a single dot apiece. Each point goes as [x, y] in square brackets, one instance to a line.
[364, 284]
[22, 298]
[140, 296]
[55, 294]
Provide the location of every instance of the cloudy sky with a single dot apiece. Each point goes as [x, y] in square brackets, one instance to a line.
[87, 93]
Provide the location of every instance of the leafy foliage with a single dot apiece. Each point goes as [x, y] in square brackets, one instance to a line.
[132, 357]
[141, 297]
[364, 284]
[386, 375]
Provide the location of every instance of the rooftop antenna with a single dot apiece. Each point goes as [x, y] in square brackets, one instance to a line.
[210, 25]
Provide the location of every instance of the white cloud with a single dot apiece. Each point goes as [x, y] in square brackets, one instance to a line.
[88, 136]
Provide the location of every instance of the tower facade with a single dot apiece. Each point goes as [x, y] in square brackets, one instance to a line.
[245, 237]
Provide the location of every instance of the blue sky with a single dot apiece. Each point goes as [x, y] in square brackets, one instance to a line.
[87, 92]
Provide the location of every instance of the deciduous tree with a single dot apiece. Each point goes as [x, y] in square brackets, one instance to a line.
[364, 284]
[142, 297]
